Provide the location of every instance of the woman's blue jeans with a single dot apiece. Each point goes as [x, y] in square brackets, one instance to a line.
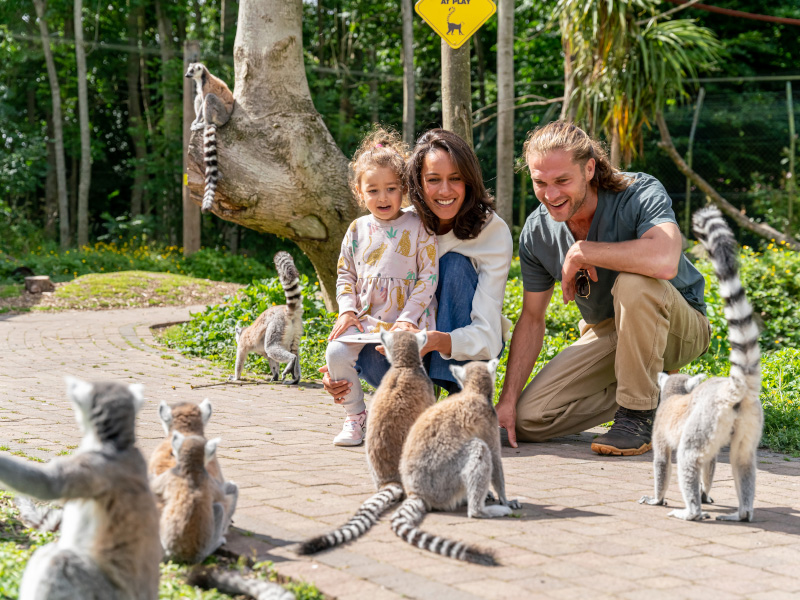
[457, 283]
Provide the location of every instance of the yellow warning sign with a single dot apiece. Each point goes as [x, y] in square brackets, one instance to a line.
[455, 20]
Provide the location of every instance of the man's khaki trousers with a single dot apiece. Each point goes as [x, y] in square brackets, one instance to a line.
[615, 362]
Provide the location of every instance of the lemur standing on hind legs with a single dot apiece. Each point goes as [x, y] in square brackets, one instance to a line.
[213, 106]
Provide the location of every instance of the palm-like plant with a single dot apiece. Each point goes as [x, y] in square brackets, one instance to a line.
[622, 65]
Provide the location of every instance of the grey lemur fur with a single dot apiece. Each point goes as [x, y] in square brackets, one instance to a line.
[213, 106]
[404, 393]
[195, 508]
[108, 548]
[720, 410]
[452, 453]
[276, 332]
[234, 583]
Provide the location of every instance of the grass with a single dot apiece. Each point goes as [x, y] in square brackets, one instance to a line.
[11, 290]
[17, 544]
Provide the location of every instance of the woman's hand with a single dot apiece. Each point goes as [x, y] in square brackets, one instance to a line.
[404, 326]
[338, 389]
[438, 341]
[343, 323]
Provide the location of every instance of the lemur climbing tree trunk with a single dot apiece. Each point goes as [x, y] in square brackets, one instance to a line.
[280, 170]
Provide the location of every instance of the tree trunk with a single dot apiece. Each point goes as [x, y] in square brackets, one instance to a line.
[457, 91]
[170, 127]
[83, 117]
[505, 111]
[760, 229]
[58, 127]
[135, 125]
[191, 212]
[281, 171]
[568, 108]
[409, 77]
[615, 154]
[50, 185]
[481, 72]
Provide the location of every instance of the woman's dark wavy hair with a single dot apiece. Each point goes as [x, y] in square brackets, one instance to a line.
[562, 135]
[478, 203]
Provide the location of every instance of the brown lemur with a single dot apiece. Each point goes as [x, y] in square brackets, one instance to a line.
[452, 454]
[108, 548]
[213, 106]
[404, 393]
[696, 419]
[276, 332]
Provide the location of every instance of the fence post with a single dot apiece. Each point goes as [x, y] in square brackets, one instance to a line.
[687, 231]
[191, 212]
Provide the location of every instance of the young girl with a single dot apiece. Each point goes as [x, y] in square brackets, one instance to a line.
[387, 270]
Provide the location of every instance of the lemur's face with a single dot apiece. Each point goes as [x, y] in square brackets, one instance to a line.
[195, 71]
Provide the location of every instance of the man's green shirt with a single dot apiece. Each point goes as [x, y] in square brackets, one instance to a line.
[620, 216]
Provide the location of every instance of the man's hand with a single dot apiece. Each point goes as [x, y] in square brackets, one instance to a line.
[338, 389]
[574, 261]
[343, 323]
[507, 418]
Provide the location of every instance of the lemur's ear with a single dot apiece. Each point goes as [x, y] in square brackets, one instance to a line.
[205, 410]
[177, 442]
[387, 339]
[137, 391]
[165, 414]
[211, 450]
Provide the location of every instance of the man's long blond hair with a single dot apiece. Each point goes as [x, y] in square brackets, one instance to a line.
[562, 135]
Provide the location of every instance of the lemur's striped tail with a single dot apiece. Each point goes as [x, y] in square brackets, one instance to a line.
[367, 515]
[405, 523]
[212, 172]
[290, 280]
[234, 583]
[717, 238]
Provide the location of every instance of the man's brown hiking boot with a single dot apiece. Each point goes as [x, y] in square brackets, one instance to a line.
[630, 434]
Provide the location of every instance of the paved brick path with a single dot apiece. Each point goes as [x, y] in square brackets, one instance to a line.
[580, 533]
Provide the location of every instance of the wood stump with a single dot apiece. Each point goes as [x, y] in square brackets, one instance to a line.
[38, 284]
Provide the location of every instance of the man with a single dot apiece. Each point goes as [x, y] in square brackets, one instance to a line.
[612, 240]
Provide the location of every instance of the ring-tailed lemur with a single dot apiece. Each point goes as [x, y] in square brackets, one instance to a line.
[453, 454]
[720, 410]
[196, 509]
[109, 546]
[189, 419]
[276, 332]
[404, 393]
[213, 106]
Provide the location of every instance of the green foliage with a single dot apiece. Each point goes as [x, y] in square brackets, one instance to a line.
[106, 257]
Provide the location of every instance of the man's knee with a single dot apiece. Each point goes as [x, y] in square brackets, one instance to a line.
[632, 290]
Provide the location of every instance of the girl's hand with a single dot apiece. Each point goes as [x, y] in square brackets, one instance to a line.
[404, 326]
[337, 389]
[343, 323]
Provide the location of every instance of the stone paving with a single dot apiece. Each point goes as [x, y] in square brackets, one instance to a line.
[580, 532]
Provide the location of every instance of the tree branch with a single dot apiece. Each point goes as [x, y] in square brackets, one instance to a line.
[760, 229]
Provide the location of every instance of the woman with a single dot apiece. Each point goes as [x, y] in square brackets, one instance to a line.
[446, 189]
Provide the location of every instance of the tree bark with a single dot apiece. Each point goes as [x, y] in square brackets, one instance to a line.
[505, 111]
[135, 125]
[760, 229]
[50, 185]
[281, 171]
[480, 61]
[83, 118]
[170, 127]
[409, 76]
[58, 127]
[191, 212]
[568, 108]
[457, 91]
